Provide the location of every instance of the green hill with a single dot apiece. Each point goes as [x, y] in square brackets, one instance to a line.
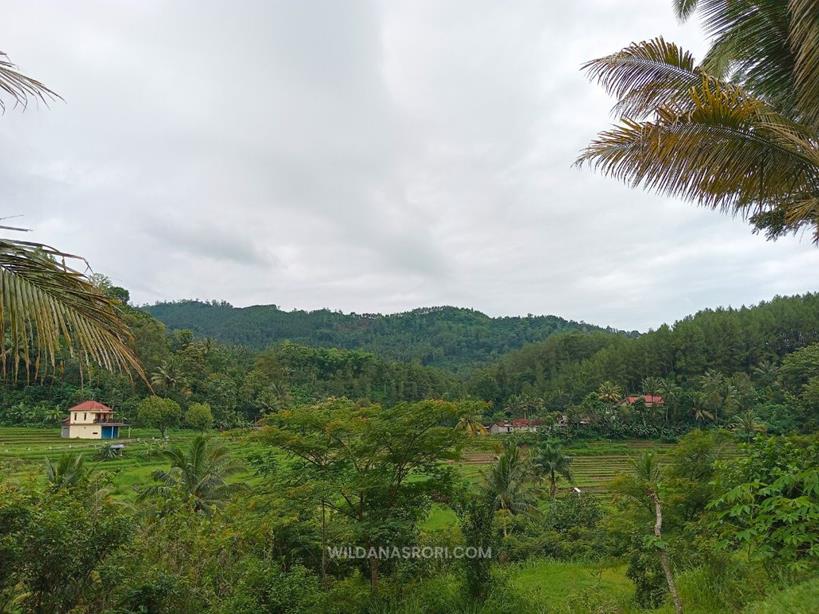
[446, 337]
[563, 369]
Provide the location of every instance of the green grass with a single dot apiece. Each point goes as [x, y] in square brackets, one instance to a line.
[798, 599]
[440, 518]
[572, 587]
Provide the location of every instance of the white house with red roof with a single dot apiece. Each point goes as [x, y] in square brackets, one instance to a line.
[90, 420]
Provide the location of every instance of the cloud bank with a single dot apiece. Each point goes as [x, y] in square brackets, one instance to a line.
[364, 156]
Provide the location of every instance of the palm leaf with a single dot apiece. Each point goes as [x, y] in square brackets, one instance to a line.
[20, 87]
[750, 40]
[804, 40]
[646, 75]
[685, 8]
[46, 306]
[728, 151]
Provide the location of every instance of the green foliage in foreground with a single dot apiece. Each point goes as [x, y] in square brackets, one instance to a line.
[261, 549]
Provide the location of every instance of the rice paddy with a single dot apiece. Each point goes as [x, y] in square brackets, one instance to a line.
[23, 451]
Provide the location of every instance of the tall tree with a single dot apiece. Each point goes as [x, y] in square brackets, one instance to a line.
[472, 424]
[20, 87]
[378, 466]
[609, 392]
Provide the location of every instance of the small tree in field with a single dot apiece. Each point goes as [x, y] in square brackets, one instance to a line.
[477, 517]
[552, 464]
[643, 486]
[199, 417]
[159, 413]
[200, 473]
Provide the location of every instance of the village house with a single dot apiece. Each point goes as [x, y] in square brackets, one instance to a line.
[650, 400]
[517, 425]
[90, 420]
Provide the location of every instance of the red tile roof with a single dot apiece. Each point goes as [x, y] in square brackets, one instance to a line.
[91, 406]
[520, 422]
[649, 399]
[525, 422]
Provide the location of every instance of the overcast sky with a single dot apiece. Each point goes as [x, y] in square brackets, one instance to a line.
[361, 156]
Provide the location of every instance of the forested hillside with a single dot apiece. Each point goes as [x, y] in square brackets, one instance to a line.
[744, 347]
[446, 337]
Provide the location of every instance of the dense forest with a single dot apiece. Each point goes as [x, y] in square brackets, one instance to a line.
[743, 347]
[446, 337]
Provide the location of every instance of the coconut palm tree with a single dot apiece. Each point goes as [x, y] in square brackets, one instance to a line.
[738, 132]
[472, 425]
[609, 392]
[551, 463]
[643, 485]
[700, 414]
[718, 394]
[671, 392]
[45, 305]
[652, 385]
[68, 472]
[167, 376]
[199, 473]
[765, 372]
[745, 425]
[507, 486]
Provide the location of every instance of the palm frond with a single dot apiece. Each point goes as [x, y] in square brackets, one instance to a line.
[20, 87]
[685, 8]
[750, 40]
[730, 152]
[45, 306]
[199, 473]
[804, 41]
[646, 468]
[646, 75]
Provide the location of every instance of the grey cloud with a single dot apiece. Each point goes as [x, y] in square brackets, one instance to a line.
[366, 156]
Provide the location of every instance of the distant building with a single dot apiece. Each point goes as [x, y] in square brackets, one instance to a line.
[518, 425]
[90, 420]
[650, 400]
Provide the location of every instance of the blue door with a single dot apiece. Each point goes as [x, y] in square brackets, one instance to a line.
[108, 432]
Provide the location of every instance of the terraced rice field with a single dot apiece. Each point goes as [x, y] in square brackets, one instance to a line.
[23, 451]
[594, 464]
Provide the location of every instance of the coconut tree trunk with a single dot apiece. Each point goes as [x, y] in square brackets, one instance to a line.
[374, 573]
[665, 563]
[323, 544]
